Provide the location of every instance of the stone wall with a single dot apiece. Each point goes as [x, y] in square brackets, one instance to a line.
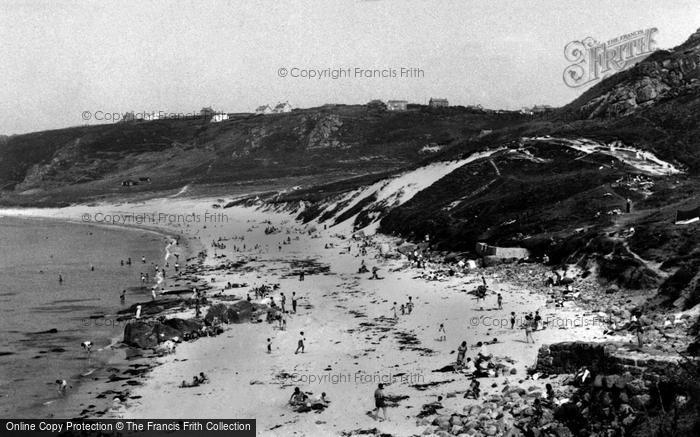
[568, 357]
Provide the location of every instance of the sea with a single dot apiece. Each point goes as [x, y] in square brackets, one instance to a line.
[44, 321]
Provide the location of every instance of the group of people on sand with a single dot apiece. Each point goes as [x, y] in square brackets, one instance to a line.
[482, 365]
[404, 308]
[363, 269]
[302, 402]
[197, 380]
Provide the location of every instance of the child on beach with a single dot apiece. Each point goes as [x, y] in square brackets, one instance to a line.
[512, 319]
[500, 301]
[442, 333]
[393, 308]
[300, 344]
[283, 322]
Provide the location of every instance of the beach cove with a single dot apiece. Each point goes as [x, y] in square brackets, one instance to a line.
[353, 340]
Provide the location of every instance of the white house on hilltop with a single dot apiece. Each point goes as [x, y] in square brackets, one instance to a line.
[220, 116]
[396, 105]
[282, 107]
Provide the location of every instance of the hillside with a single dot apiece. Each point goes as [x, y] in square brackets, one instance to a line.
[556, 185]
[331, 142]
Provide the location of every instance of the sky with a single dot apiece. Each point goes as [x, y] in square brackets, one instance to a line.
[63, 59]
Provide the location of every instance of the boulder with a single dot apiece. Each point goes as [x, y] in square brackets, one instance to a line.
[148, 334]
[218, 311]
[184, 325]
[241, 311]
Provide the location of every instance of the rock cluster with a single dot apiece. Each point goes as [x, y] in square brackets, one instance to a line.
[149, 333]
[662, 75]
[509, 413]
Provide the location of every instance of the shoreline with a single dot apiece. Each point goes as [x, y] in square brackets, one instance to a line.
[115, 357]
[350, 331]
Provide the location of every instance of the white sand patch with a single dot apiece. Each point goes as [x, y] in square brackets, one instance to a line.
[640, 159]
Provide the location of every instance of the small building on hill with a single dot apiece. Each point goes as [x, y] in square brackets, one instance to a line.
[263, 109]
[219, 117]
[282, 107]
[396, 105]
[541, 109]
[207, 112]
[438, 103]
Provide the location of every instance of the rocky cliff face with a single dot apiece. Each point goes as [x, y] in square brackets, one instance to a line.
[663, 75]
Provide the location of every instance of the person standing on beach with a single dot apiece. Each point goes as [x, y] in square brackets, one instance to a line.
[500, 301]
[409, 305]
[283, 300]
[537, 321]
[300, 344]
[442, 333]
[512, 319]
[60, 279]
[379, 401]
[393, 308]
[461, 352]
[294, 302]
[269, 346]
[529, 321]
[301, 275]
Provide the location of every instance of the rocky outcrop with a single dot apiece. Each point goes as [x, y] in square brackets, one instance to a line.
[663, 75]
[324, 132]
[240, 312]
[148, 334]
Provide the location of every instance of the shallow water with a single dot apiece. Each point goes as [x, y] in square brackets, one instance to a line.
[32, 301]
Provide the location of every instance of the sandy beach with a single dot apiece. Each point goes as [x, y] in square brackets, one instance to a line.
[353, 340]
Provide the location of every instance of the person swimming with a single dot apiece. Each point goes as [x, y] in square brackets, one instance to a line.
[61, 386]
[87, 346]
